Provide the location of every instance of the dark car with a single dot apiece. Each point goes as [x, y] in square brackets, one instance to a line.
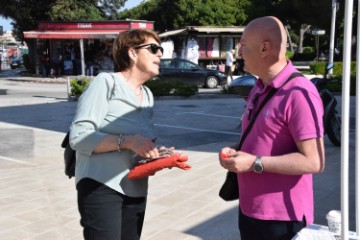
[243, 85]
[190, 73]
[16, 63]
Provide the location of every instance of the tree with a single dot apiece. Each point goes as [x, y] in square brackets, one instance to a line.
[26, 15]
[111, 7]
[170, 14]
[296, 13]
[72, 10]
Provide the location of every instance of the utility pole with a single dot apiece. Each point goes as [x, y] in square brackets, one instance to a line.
[332, 33]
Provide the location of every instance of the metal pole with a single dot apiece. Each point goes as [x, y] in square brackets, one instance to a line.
[317, 46]
[68, 88]
[82, 57]
[345, 121]
[357, 149]
[332, 34]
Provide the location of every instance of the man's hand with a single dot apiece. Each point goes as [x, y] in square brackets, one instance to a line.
[236, 161]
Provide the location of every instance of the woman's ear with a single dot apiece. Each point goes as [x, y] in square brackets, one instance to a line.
[132, 54]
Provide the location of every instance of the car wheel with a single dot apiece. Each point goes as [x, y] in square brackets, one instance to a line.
[211, 82]
[12, 67]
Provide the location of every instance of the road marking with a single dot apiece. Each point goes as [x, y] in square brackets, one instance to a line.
[205, 114]
[199, 129]
[13, 160]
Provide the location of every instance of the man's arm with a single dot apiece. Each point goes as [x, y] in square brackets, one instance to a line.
[309, 159]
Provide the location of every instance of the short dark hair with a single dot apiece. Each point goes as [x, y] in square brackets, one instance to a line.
[125, 40]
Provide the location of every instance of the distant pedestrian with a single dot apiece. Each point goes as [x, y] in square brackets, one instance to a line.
[44, 61]
[58, 62]
[0, 60]
[230, 60]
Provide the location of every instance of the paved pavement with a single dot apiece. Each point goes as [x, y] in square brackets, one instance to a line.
[38, 202]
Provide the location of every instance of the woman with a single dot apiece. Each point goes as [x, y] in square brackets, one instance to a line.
[113, 127]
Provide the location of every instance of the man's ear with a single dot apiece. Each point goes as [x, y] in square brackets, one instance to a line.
[265, 48]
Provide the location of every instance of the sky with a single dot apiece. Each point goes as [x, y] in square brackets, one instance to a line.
[7, 26]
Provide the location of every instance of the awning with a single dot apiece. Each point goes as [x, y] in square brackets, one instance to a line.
[85, 29]
[73, 34]
[203, 30]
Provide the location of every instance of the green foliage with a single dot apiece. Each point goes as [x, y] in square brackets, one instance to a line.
[26, 61]
[78, 86]
[308, 54]
[25, 14]
[111, 7]
[72, 10]
[169, 14]
[318, 67]
[295, 12]
[171, 88]
[308, 49]
[336, 84]
[289, 55]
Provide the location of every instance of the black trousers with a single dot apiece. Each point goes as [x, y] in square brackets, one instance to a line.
[107, 214]
[256, 229]
[228, 72]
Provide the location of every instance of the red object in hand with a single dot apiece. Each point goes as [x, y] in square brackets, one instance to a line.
[150, 168]
[223, 155]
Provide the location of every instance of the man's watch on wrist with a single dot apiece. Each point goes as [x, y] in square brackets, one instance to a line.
[257, 166]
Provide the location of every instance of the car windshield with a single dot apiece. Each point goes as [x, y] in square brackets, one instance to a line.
[186, 65]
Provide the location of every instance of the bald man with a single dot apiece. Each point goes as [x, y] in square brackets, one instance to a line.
[285, 145]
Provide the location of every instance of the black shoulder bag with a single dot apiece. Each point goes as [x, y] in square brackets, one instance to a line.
[230, 190]
[69, 153]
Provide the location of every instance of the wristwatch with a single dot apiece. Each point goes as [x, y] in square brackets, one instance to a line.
[257, 166]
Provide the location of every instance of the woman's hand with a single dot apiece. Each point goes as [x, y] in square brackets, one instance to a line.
[142, 146]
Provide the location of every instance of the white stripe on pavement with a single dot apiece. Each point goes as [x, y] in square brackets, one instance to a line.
[13, 160]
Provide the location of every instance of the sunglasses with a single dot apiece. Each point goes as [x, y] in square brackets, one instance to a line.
[152, 47]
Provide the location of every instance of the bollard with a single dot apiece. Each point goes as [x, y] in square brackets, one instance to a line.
[68, 87]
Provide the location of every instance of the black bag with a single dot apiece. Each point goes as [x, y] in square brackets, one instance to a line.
[229, 190]
[69, 157]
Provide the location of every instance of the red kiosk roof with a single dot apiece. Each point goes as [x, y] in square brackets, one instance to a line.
[85, 29]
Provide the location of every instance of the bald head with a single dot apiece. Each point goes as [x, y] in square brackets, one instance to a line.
[269, 29]
[263, 47]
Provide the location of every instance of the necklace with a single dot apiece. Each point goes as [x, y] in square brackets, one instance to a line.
[133, 89]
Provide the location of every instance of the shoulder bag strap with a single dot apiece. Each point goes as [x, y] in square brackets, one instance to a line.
[267, 98]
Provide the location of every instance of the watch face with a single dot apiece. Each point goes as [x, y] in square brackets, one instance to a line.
[258, 168]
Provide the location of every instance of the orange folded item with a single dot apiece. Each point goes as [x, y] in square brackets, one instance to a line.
[150, 168]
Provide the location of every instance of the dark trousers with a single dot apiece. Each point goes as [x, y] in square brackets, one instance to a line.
[228, 72]
[107, 214]
[256, 229]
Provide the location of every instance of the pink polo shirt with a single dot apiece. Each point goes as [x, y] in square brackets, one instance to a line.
[294, 113]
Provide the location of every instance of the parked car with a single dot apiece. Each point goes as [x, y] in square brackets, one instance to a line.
[243, 85]
[16, 63]
[190, 73]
